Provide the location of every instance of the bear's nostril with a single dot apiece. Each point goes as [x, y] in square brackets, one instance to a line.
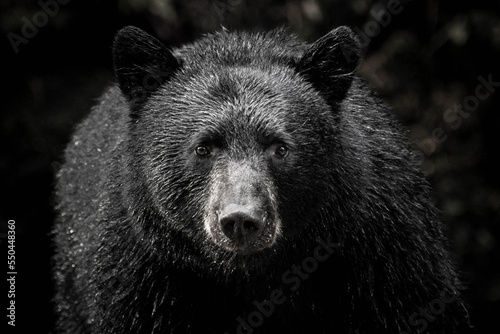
[228, 226]
[250, 226]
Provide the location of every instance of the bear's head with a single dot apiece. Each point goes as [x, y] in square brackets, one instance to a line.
[235, 135]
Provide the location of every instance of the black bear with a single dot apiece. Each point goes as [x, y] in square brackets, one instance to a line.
[246, 183]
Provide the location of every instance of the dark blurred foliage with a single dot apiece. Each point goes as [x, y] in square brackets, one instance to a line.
[423, 60]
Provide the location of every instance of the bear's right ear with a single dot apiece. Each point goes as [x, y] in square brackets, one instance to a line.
[330, 62]
[142, 63]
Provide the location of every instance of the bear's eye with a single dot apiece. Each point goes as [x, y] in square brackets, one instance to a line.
[281, 151]
[202, 151]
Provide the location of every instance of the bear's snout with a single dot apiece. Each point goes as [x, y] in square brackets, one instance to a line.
[242, 212]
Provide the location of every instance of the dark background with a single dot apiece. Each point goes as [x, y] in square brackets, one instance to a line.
[423, 60]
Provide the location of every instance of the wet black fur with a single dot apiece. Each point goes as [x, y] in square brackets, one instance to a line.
[132, 254]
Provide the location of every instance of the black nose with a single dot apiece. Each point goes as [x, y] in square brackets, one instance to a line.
[242, 224]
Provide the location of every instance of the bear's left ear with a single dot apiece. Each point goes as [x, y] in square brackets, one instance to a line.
[329, 63]
[142, 63]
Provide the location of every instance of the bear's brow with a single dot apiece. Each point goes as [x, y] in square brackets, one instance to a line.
[210, 136]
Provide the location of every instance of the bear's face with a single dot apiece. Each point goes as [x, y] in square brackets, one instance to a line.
[234, 155]
[243, 154]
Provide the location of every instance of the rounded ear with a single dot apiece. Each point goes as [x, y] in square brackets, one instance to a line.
[142, 63]
[330, 62]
